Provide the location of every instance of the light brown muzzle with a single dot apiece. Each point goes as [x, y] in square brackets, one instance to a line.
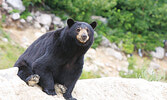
[82, 35]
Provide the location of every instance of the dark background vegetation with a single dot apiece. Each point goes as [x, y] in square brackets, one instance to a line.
[139, 24]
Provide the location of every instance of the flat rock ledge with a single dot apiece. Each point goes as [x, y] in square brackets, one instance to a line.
[109, 88]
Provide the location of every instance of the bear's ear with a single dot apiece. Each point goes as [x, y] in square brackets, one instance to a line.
[70, 22]
[93, 24]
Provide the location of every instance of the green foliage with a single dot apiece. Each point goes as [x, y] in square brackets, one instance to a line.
[101, 30]
[142, 72]
[27, 3]
[132, 63]
[25, 14]
[128, 45]
[14, 11]
[150, 41]
[146, 24]
[3, 20]
[9, 54]
[97, 41]
[88, 75]
[4, 34]
[81, 9]
[134, 22]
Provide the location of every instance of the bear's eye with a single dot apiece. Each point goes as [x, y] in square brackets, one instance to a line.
[78, 30]
[87, 30]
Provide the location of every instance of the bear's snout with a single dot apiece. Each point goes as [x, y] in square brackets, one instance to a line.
[84, 36]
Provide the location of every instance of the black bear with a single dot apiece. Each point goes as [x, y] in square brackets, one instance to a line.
[57, 57]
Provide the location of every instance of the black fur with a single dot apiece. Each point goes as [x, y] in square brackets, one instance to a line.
[57, 57]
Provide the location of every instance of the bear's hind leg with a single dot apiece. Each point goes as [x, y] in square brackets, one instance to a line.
[46, 78]
[47, 82]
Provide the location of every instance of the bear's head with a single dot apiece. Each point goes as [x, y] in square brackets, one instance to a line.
[82, 32]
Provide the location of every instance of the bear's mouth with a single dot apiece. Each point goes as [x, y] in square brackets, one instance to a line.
[81, 39]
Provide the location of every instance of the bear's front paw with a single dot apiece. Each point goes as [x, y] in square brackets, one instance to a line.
[68, 96]
[33, 80]
[50, 91]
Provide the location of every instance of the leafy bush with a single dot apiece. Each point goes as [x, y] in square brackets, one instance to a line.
[138, 17]
[81, 9]
[134, 22]
[27, 3]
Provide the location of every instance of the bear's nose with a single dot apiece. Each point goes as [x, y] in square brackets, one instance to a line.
[83, 36]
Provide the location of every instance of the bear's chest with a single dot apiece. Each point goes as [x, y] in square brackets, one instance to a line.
[68, 72]
[65, 75]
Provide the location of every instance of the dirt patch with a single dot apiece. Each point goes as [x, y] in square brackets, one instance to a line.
[23, 37]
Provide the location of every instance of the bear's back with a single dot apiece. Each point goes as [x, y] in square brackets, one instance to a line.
[38, 48]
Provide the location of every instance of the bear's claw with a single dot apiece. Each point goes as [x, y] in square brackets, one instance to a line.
[33, 80]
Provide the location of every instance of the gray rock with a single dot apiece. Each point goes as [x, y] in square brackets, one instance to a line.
[43, 30]
[90, 68]
[16, 4]
[100, 18]
[128, 56]
[15, 16]
[57, 21]
[114, 53]
[114, 46]
[36, 13]
[4, 5]
[29, 19]
[44, 19]
[22, 21]
[9, 9]
[8, 73]
[37, 25]
[46, 27]
[154, 65]
[159, 53]
[107, 88]
[5, 39]
[105, 42]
